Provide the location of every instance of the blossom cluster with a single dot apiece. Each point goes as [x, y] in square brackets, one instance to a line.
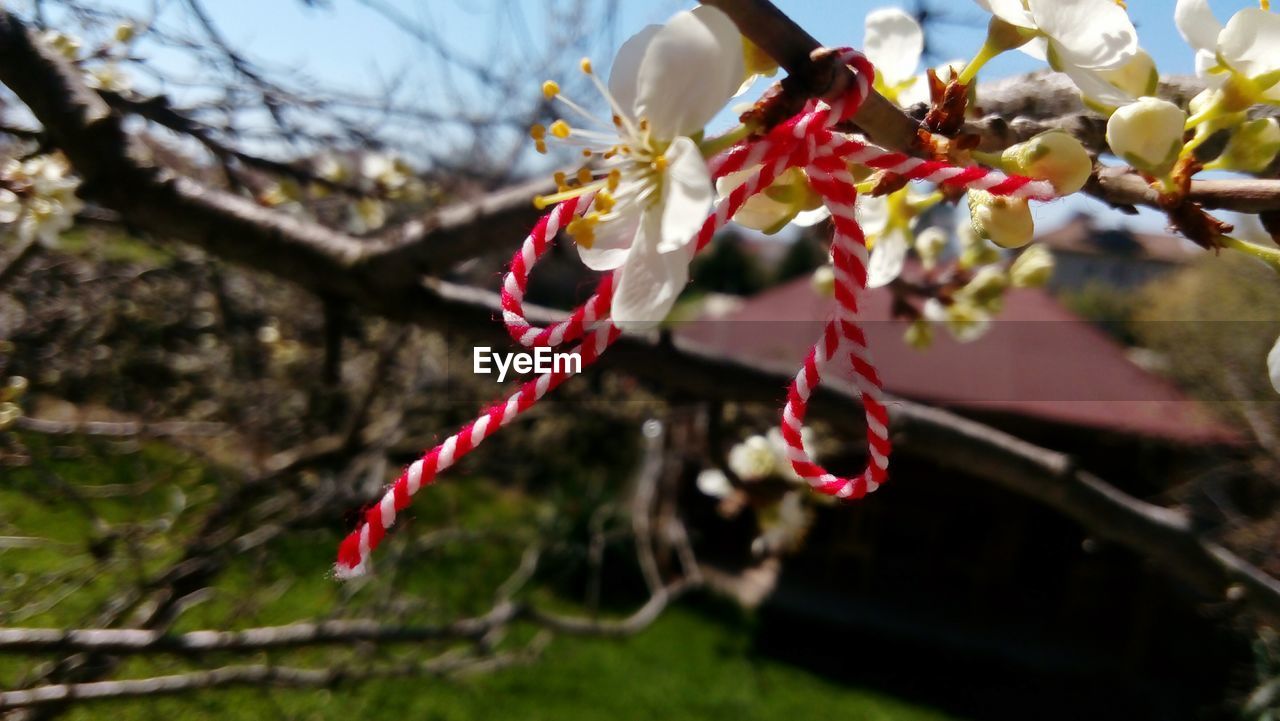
[784, 518]
[38, 197]
[1095, 45]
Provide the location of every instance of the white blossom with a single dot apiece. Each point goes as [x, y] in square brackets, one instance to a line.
[1086, 34]
[655, 190]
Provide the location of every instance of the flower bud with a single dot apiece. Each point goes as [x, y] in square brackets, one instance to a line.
[966, 321]
[713, 482]
[9, 414]
[919, 334]
[1002, 220]
[824, 281]
[1147, 134]
[753, 459]
[930, 243]
[986, 289]
[974, 251]
[771, 210]
[14, 389]
[1033, 268]
[1054, 156]
[1252, 147]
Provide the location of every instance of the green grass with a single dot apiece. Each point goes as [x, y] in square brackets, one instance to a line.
[688, 665]
[695, 662]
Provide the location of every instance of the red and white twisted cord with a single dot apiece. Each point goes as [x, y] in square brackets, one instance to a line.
[588, 319]
[842, 337]
[806, 141]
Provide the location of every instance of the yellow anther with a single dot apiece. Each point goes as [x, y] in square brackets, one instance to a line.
[560, 129]
[659, 164]
[582, 230]
[584, 175]
[604, 201]
[587, 153]
[540, 146]
[538, 131]
[586, 65]
[644, 125]
[617, 120]
[550, 89]
[540, 202]
[615, 177]
[560, 178]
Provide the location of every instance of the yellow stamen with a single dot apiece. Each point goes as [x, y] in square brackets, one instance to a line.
[550, 89]
[560, 178]
[605, 201]
[586, 66]
[615, 177]
[583, 230]
[584, 175]
[659, 164]
[540, 146]
[560, 129]
[538, 131]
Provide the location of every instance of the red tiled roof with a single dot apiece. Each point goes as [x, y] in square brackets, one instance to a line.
[1037, 361]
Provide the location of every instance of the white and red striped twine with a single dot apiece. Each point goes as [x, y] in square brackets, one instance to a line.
[807, 141]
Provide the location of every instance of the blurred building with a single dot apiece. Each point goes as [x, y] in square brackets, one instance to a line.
[947, 582]
[1118, 257]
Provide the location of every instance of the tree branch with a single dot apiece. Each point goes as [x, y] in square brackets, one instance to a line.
[295, 635]
[250, 675]
[326, 261]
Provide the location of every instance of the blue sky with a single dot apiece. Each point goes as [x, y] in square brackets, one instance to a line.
[349, 45]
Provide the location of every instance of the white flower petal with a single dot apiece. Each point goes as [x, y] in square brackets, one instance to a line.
[1197, 24]
[1250, 43]
[1010, 11]
[894, 42]
[873, 213]
[691, 68]
[626, 67]
[687, 195]
[810, 218]
[1206, 63]
[614, 237]
[10, 206]
[612, 244]
[914, 93]
[1273, 365]
[647, 285]
[713, 482]
[887, 258]
[1037, 48]
[1093, 34]
[1095, 88]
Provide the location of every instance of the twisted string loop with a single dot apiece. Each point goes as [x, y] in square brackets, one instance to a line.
[807, 140]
